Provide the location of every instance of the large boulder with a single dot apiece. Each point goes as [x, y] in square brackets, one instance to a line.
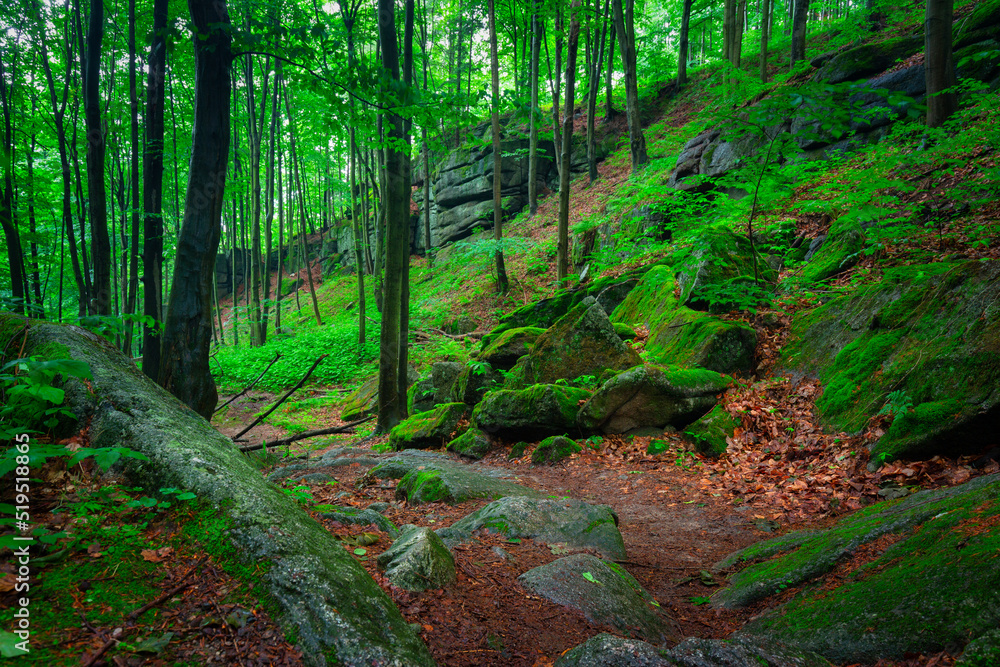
[934, 588]
[363, 401]
[921, 346]
[605, 593]
[722, 271]
[542, 409]
[567, 522]
[680, 336]
[418, 560]
[650, 395]
[840, 251]
[333, 607]
[710, 433]
[865, 61]
[581, 343]
[506, 348]
[428, 430]
[554, 449]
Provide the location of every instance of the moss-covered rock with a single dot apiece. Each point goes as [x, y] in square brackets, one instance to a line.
[710, 431]
[420, 397]
[651, 395]
[362, 402]
[605, 593]
[721, 265]
[429, 429]
[507, 347]
[984, 651]
[361, 517]
[427, 477]
[569, 522]
[624, 331]
[867, 60]
[473, 444]
[324, 598]
[554, 449]
[932, 590]
[418, 560]
[609, 292]
[583, 342]
[473, 382]
[542, 409]
[840, 251]
[923, 344]
[681, 336]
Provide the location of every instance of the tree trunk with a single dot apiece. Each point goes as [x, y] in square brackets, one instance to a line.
[801, 11]
[536, 113]
[187, 334]
[152, 193]
[609, 109]
[765, 36]
[15, 255]
[100, 243]
[133, 96]
[683, 56]
[394, 203]
[593, 85]
[939, 72]
[555, 84]
[502, 284]
[562, 229]
[625, 27]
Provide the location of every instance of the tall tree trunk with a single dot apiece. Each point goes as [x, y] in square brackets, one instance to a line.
[609, 109]
[152, 193]
[939, 72]
[394, 202]
[15, 255]
[765, 36]
[100, 243]
[269, 204]
[683, 56]
[136, 207]
[593, 85]
[402, 368]
[555, 85]
[625, 27]
[562, 244]
[187, 334]
[502, 283]
[801, 11]
[536, 113]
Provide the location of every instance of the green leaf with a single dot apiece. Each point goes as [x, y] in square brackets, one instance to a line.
[8, 645]
[360, 552]
[699, 600]
[187, 495]
[589, 577]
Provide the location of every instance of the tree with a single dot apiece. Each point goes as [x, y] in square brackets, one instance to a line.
[15, 255]
[939, 71]
[536, 113]
[391, 405]
[765, 36]
[562, 243]
[502, 284]
[152, 192]
[187, 332]
[625, 29]
[683, 56]
[799, 14]
[100, 243]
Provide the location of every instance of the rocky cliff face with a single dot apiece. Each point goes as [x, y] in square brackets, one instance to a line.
[462, 183]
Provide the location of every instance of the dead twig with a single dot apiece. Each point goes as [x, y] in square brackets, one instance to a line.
[250, 386]
[282, 399]
[307, 434]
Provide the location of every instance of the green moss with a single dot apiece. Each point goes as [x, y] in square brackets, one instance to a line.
[866, 60]
[984, 651]
[517, 450]
[472, 444]
[840, 251]
[427, 429]
[541, 408]
[554, 449]
[709, 433]
[423, 486]
[503, 349]
[624, 331]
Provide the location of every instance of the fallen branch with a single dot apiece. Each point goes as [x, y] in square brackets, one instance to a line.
[250, 386]
[133, 616]
[282, 399]
[307, 434]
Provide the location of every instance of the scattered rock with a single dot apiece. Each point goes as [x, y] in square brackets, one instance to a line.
[650, 395]
[418, 560]
[583, 342]
[431, 429]
[507, 347]
[605, 650]
[473, 444]
[722, 266]
[573, 523]
[542, 409]
[430, 477]
[366, 517]
[554, 449]
[710, 431]
[840, 251]
[605, 593]
[473, 382]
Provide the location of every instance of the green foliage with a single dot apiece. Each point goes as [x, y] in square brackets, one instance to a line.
[237, 367]
[30, 398]
[897, 403]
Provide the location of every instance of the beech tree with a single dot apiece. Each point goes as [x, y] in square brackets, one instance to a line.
[625, 29]
[939, 66]
[187, 331]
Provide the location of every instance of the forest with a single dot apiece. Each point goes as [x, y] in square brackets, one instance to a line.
[547, 332]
